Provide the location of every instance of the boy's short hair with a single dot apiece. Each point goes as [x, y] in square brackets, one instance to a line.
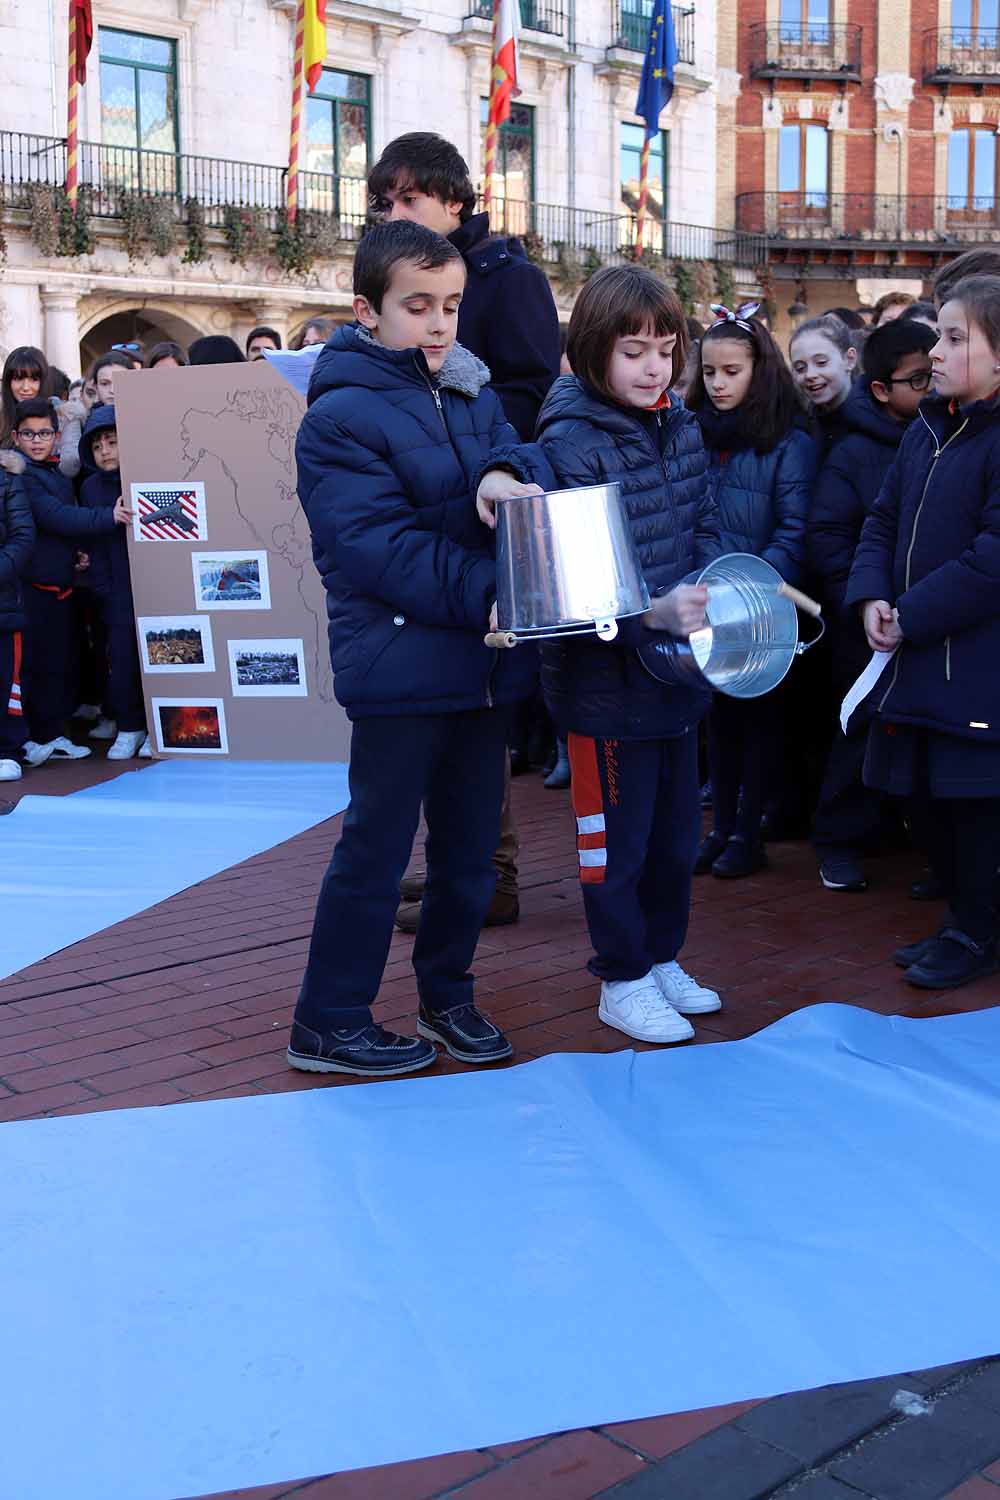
[616, 302]
[263, 333]
[385, 246]
[890, 343]
[37, 406]
[425, 163]
[890, 299]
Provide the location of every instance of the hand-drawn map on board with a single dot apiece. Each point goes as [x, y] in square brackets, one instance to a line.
[228, 431]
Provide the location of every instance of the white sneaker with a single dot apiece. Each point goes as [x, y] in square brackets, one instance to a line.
[104, 729]
[36, 754]
[88, 711]
[683, 992]
[9, 770]
[66, 750]
[146, 750]
[637, 1007]
[126, 745]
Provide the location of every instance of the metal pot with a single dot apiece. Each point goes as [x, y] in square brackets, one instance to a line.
[566, 565]
[751, 632]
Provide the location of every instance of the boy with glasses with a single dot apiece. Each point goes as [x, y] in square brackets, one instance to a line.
[897, 376]
[61, 526]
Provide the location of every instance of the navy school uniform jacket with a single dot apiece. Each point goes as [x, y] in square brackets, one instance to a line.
[109, 568]
[847, 488]
[594, 687]
[63, 528]
[931, 547]
[762, 499]
[17, 542]
[387, 461]
[508, 319]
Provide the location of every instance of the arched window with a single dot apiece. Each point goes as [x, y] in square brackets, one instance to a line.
[803, 171]
[972, 173]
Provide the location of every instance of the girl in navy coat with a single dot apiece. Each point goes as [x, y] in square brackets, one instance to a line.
[824, 358]
[762, 464]
[632, 741]
[926, 578]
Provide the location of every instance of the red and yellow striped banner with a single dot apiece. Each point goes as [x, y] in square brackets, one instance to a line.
[81, 36]
[503, 82]
[310, 54]
[640, 218]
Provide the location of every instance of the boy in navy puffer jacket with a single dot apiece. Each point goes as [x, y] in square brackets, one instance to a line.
[897, 375]
[399, 422]
[110, 582]
[17, 540]
[62, 527]
[631, 739]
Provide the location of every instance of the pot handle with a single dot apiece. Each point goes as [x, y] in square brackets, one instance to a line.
[800, 600]
[500, 640]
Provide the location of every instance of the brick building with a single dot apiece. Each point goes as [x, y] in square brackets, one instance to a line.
[861, 137]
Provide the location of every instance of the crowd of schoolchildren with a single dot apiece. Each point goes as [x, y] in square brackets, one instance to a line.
[68, 648]
[865, 468]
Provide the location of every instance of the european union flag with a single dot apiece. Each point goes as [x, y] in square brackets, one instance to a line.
[656, 86]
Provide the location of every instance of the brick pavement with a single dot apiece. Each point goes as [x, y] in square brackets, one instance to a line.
[192, 1000]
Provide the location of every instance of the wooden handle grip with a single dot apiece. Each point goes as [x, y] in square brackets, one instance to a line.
[501, 640]
[800, 600]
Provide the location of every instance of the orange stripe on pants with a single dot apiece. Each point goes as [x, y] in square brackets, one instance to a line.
[588, 805]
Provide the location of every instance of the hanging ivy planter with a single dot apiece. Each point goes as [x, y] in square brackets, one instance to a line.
[245, 231]
[148, 224]
[194, 228]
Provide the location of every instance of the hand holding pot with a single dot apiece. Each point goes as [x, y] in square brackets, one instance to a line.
[496, 485]
[680, 612]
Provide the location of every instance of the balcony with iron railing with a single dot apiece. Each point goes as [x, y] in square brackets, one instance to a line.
[630, 28]
[536, 15]
[860, 221]
[113, 177]
[969, 54]
[820, 50]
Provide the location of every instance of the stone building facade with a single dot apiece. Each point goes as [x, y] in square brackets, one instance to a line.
[861, 137]
[185, 123]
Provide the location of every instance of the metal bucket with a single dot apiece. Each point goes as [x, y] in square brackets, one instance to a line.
[566, 564]
[749, 640]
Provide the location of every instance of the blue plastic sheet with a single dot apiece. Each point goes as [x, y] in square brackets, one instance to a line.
[71, 866]
[224, 1294]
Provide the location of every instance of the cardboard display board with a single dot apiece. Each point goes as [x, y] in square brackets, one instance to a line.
[231, 613]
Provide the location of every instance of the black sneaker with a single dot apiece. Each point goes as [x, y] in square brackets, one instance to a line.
[371, 1052]
[709, 850]
[465, 1033]
[951, 960]
[842, 872]
[912, 953]
[738, 859]
[927, 888]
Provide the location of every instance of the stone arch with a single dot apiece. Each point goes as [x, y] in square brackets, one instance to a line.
[150, 323]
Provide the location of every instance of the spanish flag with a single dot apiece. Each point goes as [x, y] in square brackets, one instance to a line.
[315, 41]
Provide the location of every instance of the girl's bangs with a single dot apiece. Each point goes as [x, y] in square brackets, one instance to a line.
[642, 308]
[26, 372]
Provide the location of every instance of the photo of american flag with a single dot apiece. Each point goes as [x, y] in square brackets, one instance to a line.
[169, 512]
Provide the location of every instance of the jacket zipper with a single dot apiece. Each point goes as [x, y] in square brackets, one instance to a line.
[938, 450]
[674, 518]
[435, 392]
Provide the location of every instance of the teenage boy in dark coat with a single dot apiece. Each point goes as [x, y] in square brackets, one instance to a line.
[508, 317]
[400, 418]
[17, 540]
[877, 413]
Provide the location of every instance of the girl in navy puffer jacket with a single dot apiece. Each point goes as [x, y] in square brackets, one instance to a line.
[632, 741]
[762, 464]
[927, 578]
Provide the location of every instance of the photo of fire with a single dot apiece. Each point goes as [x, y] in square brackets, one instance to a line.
[192, 726]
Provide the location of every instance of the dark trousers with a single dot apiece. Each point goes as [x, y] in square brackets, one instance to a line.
[89, 666]
[849, 815]
[962, 839]
[454, 765]
[638, 819]
[123, 691]
[48, 687]
[13, 730]
[742, 747]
